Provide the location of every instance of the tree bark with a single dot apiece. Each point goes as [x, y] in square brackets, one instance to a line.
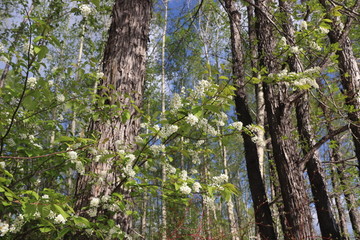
[278, 108]
[124, 70]
[261, 206]
[349, 72]
[328, 225]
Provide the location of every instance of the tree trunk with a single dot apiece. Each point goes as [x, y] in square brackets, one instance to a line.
[278, 108]
[261, 206]
[124, 70]
[349, 72]
[328, 226]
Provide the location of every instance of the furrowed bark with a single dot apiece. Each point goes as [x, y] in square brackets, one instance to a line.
[328, 225]
[124, 70]
[278, 109]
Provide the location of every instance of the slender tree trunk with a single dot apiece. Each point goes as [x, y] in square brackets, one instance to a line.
[349, 71]
[229, 205]
[328, 226]
[163, 171]
[261, 207]
[124, 70]
[279, 108]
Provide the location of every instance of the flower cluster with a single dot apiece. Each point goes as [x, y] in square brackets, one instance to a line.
[237, 125]
[176, 103]
[32, 82]
[191, 119]
[85, 10]
[217, 180]
[185, 189]
[196, 187]
[168, 130]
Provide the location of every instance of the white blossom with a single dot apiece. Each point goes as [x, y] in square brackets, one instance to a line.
[237, 125]
[2, 164]
[11, 142]
[175, 103]
[196, 187]
[295, 49]
[4, 228]
[94, 202]
[220, 179]
[185, 189]
[72, 155]
[283, 41]
[323, 30]
[60, 98]
[167, 130]
[51, 83]
[315, 46]
[184, 175]
[131, 157]
[105, 198]
[32, 82]
[92, 212]
[60, 219]
[191, 119]
[85, 10]
[99, 75]
[45, 196]
[4, 59]
[157, 148]
[304, 25]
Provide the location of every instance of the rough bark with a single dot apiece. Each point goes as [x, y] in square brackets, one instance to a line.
[261, 206]
[328, 225]
[124, 70]
[349, 72]
[278, 108]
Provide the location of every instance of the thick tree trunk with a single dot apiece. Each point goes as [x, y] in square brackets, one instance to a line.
[124, 69]
[328, 226]
[261, 206]
[279, 108]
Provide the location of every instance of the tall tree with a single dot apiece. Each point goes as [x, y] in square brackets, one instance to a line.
[348, 66]
[122, 86]
[327, 222]
[279, 105]
[261, 206]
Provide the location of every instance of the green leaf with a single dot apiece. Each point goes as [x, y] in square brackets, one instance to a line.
[61, 211]
[125, 116]
[80, 221]
[45, 229]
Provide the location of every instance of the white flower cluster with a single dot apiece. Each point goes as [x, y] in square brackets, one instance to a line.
[156, 149]
[28, 48]
[217, 180]
[191, 119]
[2, 164]
[304, 25]
[295, 49]
[4, 228]
[184, 175]
[237, 125]
[17, 224]
[315, 46]
[99, 75]
[195, 157]
[323, 30]
[170, 169]
[200, 89]
[255, 129]
[114, 230]
[32, 82]
[185, 189]
[59, 219]
[128, 169]
[196, 187]
[60, 98]
[72, 155]
[306, 81]
[85, 10]
[94, 202]
[176, 103]
[207, 128]
[167, 130]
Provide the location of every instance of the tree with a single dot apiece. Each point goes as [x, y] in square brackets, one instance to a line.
[261, 206]
[122, 88]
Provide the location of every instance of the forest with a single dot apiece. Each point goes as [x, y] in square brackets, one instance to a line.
[180, 119]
